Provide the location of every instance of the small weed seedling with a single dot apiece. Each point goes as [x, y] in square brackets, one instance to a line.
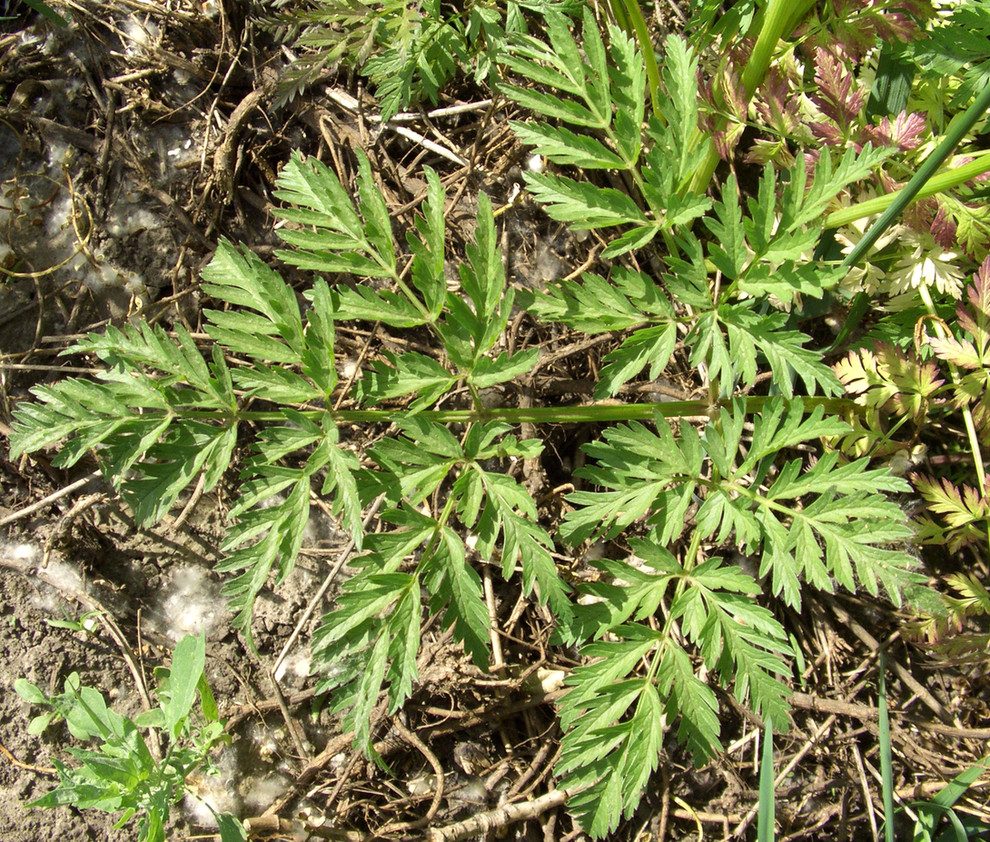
[123, 774]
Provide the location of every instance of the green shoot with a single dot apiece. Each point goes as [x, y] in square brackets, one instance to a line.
[122, 775]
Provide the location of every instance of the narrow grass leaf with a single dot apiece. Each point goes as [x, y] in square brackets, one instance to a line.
[765, 819]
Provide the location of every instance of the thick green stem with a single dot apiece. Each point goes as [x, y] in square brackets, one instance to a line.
[778, 18]
[591, 414]
[958, 129]
[630, 18]
[945, 180]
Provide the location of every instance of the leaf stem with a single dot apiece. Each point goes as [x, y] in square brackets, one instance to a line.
[692, 554]
[958, 129]
[590, 414]
[971, 435]
[945, 180]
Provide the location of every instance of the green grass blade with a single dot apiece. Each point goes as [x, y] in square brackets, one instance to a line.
[956, 788]
[765, 818]
[945, 180]
[923, 183]
[958, 129]
[886, 771]
[958, 832]
[47, 11]
[892, 88]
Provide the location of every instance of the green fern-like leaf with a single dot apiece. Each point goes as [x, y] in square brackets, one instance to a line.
[338, 236]
[376, 613]
[969, 349]
[173, 463]
[455, 589]
[417, 69]
[267, 535]
[802, 206]
[830, 521]
[732, 340]
[560, 66]
[958, 47]
[584, 205]
[274, 332]
[468, 322]
[593, 304]
[601, 91]
[626, 461]
[608, 756]
[677, 136]
[627, 299]
[728, 250]
[508, 531]
[964, 511]
[135, 415]
[563, 146]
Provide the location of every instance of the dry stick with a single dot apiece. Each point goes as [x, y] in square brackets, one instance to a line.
[51, 498]
[538, 763]
[347, 101]
[65, 338]
[187, 224]
[498, 660]
[66, 521]
[161, 305]
[235, 62]
[76, 137]
[103, 165]
[661, 834]
[902, 672]
[811, 743]
[343, 741]
[829, 812]
[337, 745]
[438, 773]
[446, 111]
[924, 790]
[426, 143]
[235, 715]
[550, 828]
[704, 816]
[865, 784]
[345, 772]
[43, 770]
[224, 159]
[488, 715]
[358, 363]
[868, 712]
[194, 498]
[522, 603]
[500, 817]
[290, 724]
